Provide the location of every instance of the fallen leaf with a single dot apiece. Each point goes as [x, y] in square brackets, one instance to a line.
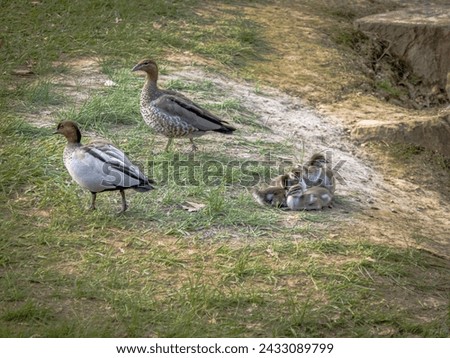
[22, 72]
[191, 206]
[271, 253]
[109, 83]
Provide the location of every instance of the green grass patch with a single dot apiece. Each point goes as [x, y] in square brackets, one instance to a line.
[122, 31]
[387, 87]
[42, 94]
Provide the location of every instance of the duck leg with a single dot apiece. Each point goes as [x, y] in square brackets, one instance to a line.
[124, 202]
[94, 196]
[194, 147]
[168, 144]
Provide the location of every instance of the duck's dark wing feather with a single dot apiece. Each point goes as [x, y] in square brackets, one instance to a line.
[115, 161]
[191, 113]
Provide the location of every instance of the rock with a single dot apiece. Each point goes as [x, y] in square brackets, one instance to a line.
[433, 134]
[419, 37]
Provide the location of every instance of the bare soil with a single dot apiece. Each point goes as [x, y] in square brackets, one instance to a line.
[384, 207]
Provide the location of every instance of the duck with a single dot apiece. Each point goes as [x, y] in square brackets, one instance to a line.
[316, 173]
[172, 114]
[299, 197]
[272, 196]
[100, 166]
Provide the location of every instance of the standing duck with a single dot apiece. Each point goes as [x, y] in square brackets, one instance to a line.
[99, 166]
[173, 115]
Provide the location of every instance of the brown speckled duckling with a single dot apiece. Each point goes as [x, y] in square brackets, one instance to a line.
[173, 115]
[285, 180]
[272, 196]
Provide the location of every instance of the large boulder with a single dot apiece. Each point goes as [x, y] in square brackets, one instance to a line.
[418, 36]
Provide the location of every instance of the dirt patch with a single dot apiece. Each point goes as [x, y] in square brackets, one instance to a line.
[82, 78]
[387, 209]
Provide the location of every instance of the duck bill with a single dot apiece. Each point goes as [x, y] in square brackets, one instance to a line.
[135, 68]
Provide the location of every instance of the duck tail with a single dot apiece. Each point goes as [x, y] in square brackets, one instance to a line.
[225, 129]
[145, 186]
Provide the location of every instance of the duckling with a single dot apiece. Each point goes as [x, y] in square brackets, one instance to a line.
[301, 198]
[172, 114]
[273, 196]
[100, 166]
[316, 173]
[285, 180]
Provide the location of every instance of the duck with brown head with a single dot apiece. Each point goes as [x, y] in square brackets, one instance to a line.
[172, 114]
[100, 166]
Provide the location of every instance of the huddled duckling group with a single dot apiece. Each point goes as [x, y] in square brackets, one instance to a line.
[306, 187]
[100, 166]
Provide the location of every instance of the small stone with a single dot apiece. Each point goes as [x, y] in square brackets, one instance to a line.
[109, 83]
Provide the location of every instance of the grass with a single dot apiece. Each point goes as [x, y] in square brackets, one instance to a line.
[43, 94]
[229, 269]
[159, 270]
[387, 87]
